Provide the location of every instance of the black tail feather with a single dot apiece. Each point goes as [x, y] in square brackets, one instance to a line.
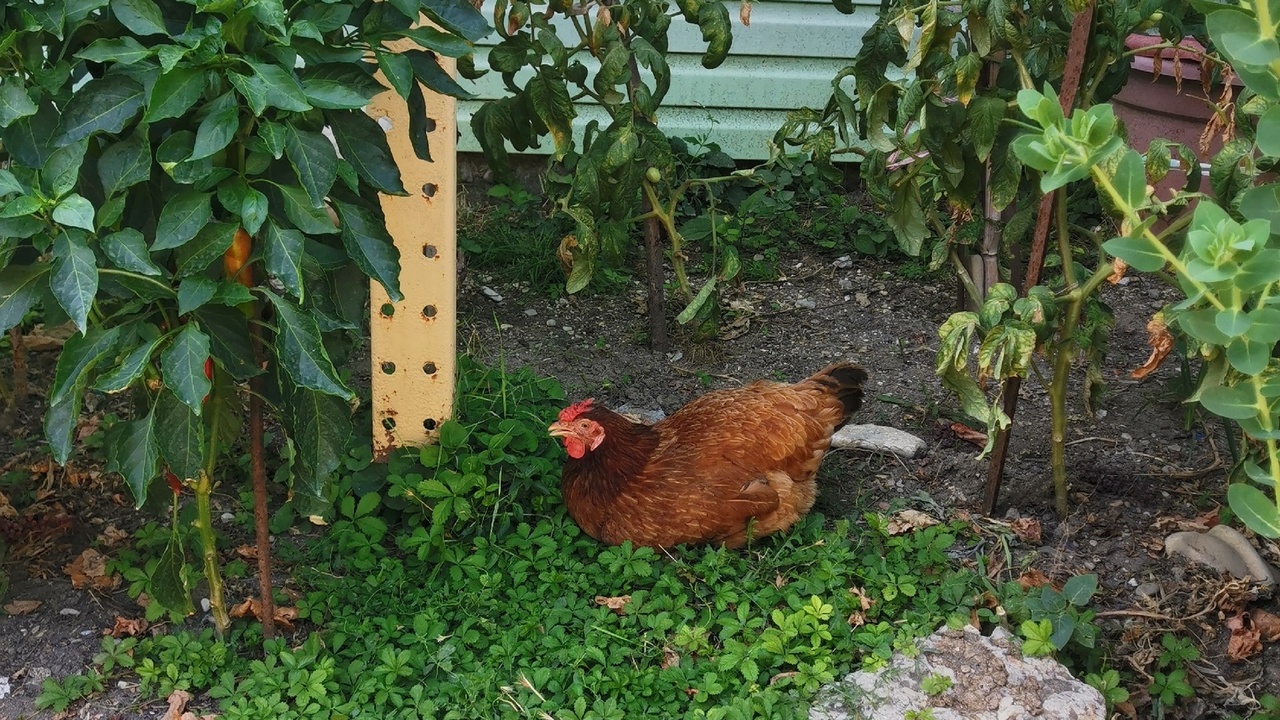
[845, 381]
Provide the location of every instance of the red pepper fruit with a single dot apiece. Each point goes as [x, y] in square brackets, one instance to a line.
[208, 373]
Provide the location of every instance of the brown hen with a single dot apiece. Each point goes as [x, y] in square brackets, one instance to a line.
[732, 464]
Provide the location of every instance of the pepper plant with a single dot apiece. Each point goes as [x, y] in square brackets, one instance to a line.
[168, 189]
[624, 171]
[934, 113]
[1227, 262]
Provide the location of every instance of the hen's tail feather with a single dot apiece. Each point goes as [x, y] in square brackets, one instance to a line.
[845, 381]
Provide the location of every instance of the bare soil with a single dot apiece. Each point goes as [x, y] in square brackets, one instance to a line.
[1138, 470]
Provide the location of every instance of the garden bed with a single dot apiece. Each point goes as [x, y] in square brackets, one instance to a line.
[1138, 471]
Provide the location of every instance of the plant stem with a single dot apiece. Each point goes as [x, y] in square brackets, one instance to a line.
[1058, 406]
[965, 280]
[204, 523]
[258, 463]
[18, 346]
[1062, 362]
[652, 204]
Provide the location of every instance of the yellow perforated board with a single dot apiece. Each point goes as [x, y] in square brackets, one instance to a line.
[413, 342]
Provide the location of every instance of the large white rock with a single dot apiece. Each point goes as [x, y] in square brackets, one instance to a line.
[879, 438]
[990, 680]
[1224, 549]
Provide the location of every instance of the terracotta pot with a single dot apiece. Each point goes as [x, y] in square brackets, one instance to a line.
[1156, 107]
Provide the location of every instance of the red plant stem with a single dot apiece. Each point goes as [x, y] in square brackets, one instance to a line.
[19, 349]
[258, 470]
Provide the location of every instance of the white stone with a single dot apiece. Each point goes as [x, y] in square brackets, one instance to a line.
[492, 294]
[1002, 684]
[5, 688]
[844, 262]
[531, 312]
[1224, 549]
[879, 438]
[68, 611]
[204, 604]
[806, 304]
[227, 517]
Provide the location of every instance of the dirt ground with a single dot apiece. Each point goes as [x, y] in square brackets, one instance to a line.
[1137, 473]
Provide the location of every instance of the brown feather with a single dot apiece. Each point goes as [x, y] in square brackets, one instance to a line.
[730, 463]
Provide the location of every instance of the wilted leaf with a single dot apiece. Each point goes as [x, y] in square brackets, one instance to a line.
[908, 521]
[177, 704]
[615, 604]
[1245, 640]
[89, 570]
[284, 616]
[1027, 529]
[1161, 345]
[126, 626]
[968, 434]
[1117, 271]
[858, 617]
[1033, 578]
[1268, 624]
[21, 607]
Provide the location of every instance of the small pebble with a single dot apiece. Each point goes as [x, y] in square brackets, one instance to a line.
[862, 299]
[227, 517]
[845, 283]
[531, 312]
[806, 304]
[505, 326]
[492, 294]
[844, 262]
[1126, 437]
[551, 323]
[566, 328]
[204, 604]
[68, 611]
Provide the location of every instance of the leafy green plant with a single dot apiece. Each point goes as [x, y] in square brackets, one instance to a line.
[624, 171]
[59, 695]
[1056, 621]
[935, 684]
[932, 112]
[1107, 682]
[1227, 263]
[167, 188]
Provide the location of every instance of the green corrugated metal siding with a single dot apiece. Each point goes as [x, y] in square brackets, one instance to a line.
[784, 60]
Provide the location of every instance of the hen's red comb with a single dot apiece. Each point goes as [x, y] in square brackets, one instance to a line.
[572, 412]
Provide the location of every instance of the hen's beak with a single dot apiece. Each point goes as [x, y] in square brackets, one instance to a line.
[558, 430]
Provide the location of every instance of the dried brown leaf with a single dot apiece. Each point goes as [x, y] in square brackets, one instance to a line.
[968, 434]
[127, 626]
[615, 604]
[858, 617]
[744, 14]
[1028, 530]
[565, 252]
[909, 520]
[1245, 641]
[670, 658]
[112, 536]
[177, 704]
[1118, 267]
[1268, 624]
[284, 615]
[1161, 343]
[248, 552]
[21, 607]
[43, 339]
[1033, 578]
[89, 570]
